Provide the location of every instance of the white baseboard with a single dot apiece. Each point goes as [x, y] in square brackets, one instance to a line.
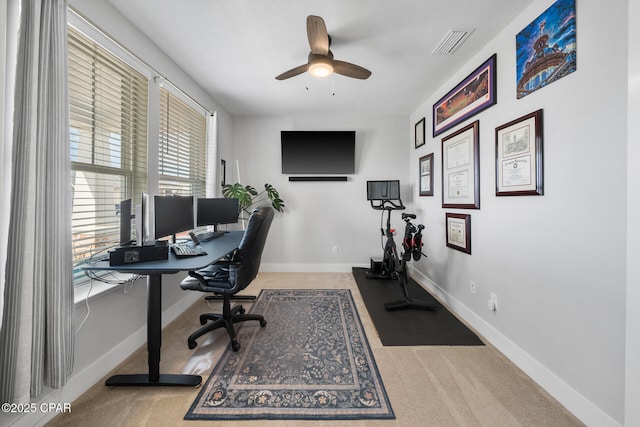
[83, 380]
[577, 404]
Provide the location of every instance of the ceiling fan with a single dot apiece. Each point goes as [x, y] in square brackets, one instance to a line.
[320, 62]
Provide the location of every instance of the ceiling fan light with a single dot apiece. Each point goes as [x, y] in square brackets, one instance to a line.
[320, 67]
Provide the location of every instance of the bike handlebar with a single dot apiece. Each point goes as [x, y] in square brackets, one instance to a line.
[387, 205]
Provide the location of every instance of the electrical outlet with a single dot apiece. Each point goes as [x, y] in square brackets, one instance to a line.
[472, 287]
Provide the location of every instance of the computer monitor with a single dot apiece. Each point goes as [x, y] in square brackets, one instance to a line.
[172, 215]
[125, 222]
[383, 190]
[216, 211]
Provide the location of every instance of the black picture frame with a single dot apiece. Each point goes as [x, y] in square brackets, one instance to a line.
[419, 133]
[425, 175]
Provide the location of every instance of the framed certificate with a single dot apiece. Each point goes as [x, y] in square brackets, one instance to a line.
[459, 232]
[426, 175]
[519, 156]
[461, 168]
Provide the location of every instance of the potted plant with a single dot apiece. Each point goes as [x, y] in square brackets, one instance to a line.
[248, 197]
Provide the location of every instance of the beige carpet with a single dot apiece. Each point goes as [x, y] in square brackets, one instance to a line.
[427, 386]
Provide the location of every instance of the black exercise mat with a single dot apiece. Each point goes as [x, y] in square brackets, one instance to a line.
[410, 327]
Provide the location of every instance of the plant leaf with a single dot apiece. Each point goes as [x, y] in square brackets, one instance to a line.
[248, 196]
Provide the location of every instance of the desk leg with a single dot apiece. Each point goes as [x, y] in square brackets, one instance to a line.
[154, 343]
[154, 325]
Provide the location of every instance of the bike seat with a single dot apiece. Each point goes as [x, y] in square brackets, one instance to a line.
[408, 215]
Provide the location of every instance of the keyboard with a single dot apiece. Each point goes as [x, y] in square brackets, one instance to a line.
[209, 235]
[184, 249]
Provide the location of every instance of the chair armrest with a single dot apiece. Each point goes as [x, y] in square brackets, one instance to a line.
[201, 280]
[208, 283]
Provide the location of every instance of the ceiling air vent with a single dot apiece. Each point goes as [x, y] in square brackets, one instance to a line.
[452, 41]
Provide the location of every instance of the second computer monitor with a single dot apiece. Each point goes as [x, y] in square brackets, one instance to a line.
[216, 211]
[172, 215]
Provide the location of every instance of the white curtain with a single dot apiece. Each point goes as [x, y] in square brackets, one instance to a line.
[36, 339]
[9, 13]
[213, 166]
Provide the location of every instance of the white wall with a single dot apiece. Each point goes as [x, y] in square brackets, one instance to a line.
[556, 262]
[632, 409]
[321, 215]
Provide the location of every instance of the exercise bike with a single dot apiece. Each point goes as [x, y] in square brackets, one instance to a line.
[394, 266]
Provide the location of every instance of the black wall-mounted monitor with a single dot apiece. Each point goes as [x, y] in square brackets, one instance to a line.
[217, 211]
[318, 152]
[383, 190]
[172, 215]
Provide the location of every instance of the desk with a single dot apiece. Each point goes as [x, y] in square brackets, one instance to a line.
[154, 270]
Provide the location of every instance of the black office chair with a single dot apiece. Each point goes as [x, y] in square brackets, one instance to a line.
[228, 277]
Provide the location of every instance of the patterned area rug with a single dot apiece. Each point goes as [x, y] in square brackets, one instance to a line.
[311, 361]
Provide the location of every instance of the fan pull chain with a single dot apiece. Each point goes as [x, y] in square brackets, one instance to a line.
[333, 85]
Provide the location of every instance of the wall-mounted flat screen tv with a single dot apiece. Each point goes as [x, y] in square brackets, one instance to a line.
[318, 152]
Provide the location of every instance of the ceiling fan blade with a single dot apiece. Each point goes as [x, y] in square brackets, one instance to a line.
[292, 72]
[317, 35]
[350, 70]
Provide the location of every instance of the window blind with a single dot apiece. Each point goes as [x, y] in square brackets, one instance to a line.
[182, 150]
[108, 138]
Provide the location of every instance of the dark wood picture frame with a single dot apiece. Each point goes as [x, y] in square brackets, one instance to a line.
[419, 133]
[461, 168]
[475, 93]
[425, 175]
[519, 158]
[458, 231]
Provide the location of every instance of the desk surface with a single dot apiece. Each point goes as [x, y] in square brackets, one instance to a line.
[216, 249]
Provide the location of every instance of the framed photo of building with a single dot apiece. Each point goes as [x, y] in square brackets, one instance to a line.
[519, 169]
[461, 168]
[458, 231]
[546, 48]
